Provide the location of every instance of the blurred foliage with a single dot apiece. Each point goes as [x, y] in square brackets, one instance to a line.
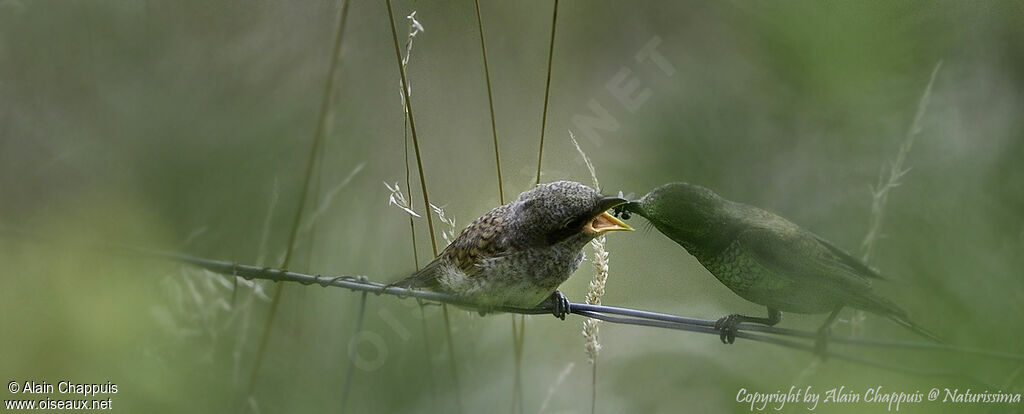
[184, 125]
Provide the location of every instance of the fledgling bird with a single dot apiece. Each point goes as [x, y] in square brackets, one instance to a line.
[765, 259]
[520, 252]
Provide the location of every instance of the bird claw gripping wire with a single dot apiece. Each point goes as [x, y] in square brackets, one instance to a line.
[727, 325]
[560, 305]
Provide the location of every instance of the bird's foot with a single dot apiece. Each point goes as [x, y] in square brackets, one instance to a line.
[406, 292]
[727, 327]
[560, 304]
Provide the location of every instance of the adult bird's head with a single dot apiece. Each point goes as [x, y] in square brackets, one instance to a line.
[689, 214]
[567, 212]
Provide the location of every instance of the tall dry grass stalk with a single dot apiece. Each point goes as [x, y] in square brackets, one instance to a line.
[517, 388]
[547, 90]
[261, 255]
[594, 293]
[318, 138]
[414, 29]
[404, 200]
[200, 304]
[518, 339]
[347, 385]
[407, 104]
[327, 199]
[554, 387]
[448, 233]
[490, 100]
[423, 187]
[518, 336]
[592, 345]
[888, 179]
[398, 199]
[590, 326]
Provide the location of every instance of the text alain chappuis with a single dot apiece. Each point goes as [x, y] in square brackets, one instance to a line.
[64, 395]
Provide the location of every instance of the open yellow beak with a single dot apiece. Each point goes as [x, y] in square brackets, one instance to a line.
[605, 222]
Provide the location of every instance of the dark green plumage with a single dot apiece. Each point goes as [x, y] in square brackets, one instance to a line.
[764, 258]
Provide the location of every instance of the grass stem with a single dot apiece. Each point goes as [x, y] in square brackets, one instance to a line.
[547, 91]
[351, 360]
[412, 128]
[490, 100]
[423, 188]
[318, 138]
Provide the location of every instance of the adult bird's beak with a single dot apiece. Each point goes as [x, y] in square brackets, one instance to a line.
[604, 222]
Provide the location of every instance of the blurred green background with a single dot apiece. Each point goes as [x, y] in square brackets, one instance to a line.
[186, 125]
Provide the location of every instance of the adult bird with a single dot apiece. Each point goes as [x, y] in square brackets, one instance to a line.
[519, 253]
[765, 259]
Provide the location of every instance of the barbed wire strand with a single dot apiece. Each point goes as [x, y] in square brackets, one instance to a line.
[637, 317]
[612, 314]
[781, 342]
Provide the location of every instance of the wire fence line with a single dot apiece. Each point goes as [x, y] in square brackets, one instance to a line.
[612, 314]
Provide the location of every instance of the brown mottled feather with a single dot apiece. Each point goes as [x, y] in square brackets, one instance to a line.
[479, 241]
[510, 255]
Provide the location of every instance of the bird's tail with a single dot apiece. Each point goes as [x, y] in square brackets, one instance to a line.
[409, 282]
[425, 277]
[896, 314]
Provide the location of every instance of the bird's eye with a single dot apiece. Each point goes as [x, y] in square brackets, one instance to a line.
[578, 223]
[566, 229]
[574, 223]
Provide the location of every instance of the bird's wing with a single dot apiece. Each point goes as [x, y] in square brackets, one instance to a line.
[855, 264]
[792, 254]
[480, 242]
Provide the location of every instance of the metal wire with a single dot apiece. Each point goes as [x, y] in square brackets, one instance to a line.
[611, 314]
